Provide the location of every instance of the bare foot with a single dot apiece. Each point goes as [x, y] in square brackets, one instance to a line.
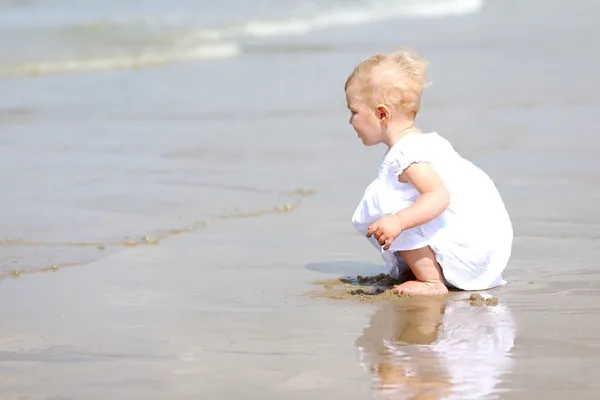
[424, 288]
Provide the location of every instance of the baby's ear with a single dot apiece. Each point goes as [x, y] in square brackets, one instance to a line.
[383, 112]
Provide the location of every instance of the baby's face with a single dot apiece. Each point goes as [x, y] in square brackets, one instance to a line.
[362, 118]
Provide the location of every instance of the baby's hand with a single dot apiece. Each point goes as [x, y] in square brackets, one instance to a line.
[385, 230]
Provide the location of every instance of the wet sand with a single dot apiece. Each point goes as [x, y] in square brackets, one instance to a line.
[380, 288]
[187, 230]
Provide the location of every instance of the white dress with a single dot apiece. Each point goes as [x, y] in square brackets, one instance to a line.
[472, 238]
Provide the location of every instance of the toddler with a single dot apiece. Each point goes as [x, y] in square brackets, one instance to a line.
[428, 209]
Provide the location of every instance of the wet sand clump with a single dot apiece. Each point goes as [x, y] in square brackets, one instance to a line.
[383, 280]
[477, 300]
[362, 288]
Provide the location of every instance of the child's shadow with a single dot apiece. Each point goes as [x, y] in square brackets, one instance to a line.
[437, 348]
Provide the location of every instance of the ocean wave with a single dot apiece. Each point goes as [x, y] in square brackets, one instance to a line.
[375, 11]
[370, 12]
[142, 60]
[99, 46]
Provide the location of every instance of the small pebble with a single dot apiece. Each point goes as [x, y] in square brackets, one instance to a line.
[476, 296]
[476, 299]
[284, 208]
[492, 301]
[150, 240]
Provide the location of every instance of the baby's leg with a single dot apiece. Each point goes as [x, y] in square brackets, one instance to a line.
[430, 279]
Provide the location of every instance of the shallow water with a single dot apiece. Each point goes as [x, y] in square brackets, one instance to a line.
[438, 348]
[197, 202]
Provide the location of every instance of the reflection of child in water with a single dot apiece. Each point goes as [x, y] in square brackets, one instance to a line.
[437, 349]
[437, 211]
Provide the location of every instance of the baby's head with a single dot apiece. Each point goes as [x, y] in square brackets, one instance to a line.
[384, 93]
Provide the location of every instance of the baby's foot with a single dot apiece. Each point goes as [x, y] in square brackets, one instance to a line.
[421, 288]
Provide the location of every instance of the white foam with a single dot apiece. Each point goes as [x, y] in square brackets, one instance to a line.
[222, 42]
[145, 59]
[369, 12]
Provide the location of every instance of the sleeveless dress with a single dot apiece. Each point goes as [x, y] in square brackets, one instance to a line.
[471, 239]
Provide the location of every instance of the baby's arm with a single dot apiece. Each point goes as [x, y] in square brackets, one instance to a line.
[434, 197]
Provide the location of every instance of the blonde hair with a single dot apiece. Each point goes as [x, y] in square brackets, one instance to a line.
[396, 79]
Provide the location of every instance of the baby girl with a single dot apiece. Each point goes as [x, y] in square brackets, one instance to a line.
[428, 208]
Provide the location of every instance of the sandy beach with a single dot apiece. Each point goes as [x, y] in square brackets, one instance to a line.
[163, 228]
